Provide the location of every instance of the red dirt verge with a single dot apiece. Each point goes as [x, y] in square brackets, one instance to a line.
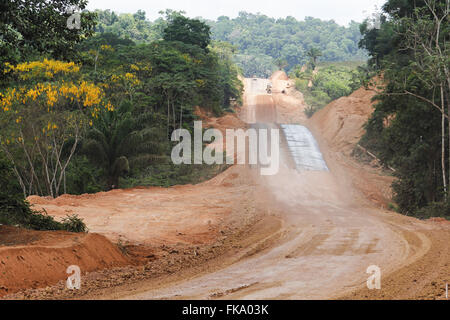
[36, 259]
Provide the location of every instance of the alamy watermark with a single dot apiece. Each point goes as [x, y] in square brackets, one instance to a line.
[236, 147]
[374, 280]
[74, 20]
[74, 280]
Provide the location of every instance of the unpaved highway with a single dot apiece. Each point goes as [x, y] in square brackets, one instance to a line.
[300, 234]
[330, 236]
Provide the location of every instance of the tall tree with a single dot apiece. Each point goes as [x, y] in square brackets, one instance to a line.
[411, 48]
[314, 53]
[189, 31]
[40, 26]
[120, 140]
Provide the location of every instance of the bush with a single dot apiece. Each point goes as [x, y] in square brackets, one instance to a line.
[434, 209]
[16, 211]
[301, 85]
[309, 111]
[41, 221]
[73, 223]
[83, 177]
[329, 83]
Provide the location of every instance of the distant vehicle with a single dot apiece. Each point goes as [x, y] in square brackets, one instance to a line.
[254, 78]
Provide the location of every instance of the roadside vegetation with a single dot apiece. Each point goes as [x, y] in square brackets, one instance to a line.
[87, 112]
[16, 211]
[322, 83]
[409, 129]
[93, 109]
[260, 41]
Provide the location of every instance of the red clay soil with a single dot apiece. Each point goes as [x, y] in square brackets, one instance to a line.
[184, 224]
[34, 259]
[226, 121]
[279, 75]
[338, 128]
[145, 223]
[341, 123]
[340, 205]
[289, 102]
[184, 214]
[222, 123]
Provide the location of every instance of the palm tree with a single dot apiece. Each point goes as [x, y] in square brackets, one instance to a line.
[120, 139]
[281, 63]
[314, 53]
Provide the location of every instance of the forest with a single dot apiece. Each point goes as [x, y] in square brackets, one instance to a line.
[93, 111]
[409, 129]
[260, 42]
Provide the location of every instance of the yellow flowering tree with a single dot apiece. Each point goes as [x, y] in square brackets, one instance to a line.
[125, 83]
[43, 117]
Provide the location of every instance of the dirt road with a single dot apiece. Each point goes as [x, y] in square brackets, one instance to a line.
[331, 234]
[300, 234]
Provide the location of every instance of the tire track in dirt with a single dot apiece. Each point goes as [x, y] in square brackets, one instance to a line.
[328, 241]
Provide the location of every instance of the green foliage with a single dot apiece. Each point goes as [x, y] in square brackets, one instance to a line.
[410, 144]
[148, 87]
[301, 84]
[281, 63]
[16, 211]
[126, 26]
[134, 27]
[73, 223]
[404, 131]
[434, 209]
[268, 39]
[13, 208]
[120, 140]
[328, 83]
[83, 176]
[168, 174]
[43, 115]
[171, 77]
[39, 27]
[260, 40]
[255, 64]
[188, 31]
[313, 54]
[228, 73]
[392, 207]
[309, 111]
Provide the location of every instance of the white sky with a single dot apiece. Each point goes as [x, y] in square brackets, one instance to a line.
[341, 11]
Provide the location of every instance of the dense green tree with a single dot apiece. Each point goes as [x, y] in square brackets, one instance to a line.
[164, 79]
[16, 211]
[326, 83]
[259, 40]
[229, 73]
[281, 63]
[313, 53]
[409, 127]
[39, 27]
[189, 31]
[120, 140]
[257, 36]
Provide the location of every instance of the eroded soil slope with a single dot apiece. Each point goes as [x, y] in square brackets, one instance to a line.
[164, 230]
[294, 235]
[34, 259]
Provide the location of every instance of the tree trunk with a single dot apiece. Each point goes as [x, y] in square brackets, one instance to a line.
[444, 177]
[174, 116]
[181, 117]
[96, 59]
[168, 115]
